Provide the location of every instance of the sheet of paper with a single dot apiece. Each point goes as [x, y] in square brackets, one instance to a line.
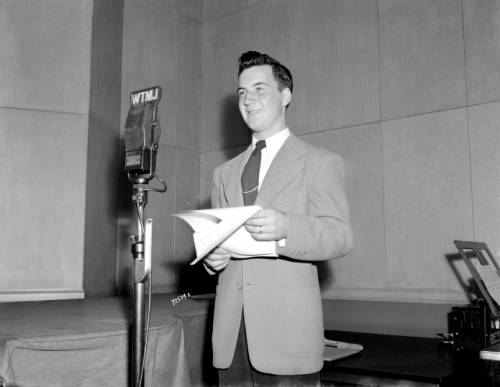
[491, 280]
[223, 227]
[335, 350]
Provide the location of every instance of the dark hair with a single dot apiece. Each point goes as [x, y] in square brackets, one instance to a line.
[281, 73]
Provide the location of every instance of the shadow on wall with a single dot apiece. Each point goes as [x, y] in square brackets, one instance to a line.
[195, 280]
[234, 136]
[104, 187]
[192, 279]
[235, 133]
[469, 286]
[126, 220]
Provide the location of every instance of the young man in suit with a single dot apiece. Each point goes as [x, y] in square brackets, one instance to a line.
[268, 322]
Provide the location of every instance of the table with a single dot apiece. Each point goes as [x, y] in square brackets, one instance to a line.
[390, 360]
[86, 343]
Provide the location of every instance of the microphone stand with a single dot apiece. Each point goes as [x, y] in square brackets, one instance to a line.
[141, 253]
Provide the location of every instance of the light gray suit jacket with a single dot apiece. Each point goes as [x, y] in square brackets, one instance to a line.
[280, 297]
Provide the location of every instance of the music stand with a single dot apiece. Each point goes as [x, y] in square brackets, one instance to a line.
[481, 251]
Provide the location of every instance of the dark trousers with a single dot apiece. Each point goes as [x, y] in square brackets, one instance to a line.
[241, 372]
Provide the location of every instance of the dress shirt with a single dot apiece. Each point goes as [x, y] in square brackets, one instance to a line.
[273, 145]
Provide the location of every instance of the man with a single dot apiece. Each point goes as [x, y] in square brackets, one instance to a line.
[268, 310]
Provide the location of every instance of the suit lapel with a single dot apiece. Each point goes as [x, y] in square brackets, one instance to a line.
[283, 170]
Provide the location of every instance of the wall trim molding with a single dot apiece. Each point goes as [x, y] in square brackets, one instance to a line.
[416, 295]
[22, 295]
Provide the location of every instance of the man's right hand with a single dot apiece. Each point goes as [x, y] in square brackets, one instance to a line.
[217, 259]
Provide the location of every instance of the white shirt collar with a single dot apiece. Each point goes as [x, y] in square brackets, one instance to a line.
[274, 143]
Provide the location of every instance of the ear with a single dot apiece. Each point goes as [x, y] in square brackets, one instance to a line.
[286, 96]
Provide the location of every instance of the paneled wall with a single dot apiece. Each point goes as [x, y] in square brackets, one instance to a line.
[162, 46]
[44, 114]
[59, 131]
[408, 93]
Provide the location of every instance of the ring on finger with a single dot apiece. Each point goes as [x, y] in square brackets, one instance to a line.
[260, 230]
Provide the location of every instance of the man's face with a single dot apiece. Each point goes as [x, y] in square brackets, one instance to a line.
[262, 104]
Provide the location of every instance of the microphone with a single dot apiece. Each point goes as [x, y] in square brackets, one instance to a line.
[142, 136]
[142, 132]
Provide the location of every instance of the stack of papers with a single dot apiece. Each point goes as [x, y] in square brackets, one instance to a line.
[224, 227]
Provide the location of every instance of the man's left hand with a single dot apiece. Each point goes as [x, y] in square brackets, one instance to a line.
[268, 224]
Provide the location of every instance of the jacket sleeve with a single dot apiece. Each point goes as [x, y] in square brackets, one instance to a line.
[215, 199]
[323, 232]
[217, 192]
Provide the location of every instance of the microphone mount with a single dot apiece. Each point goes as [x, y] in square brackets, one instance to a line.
[140, 188]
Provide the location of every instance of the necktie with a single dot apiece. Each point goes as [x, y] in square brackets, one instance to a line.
[250, 175]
